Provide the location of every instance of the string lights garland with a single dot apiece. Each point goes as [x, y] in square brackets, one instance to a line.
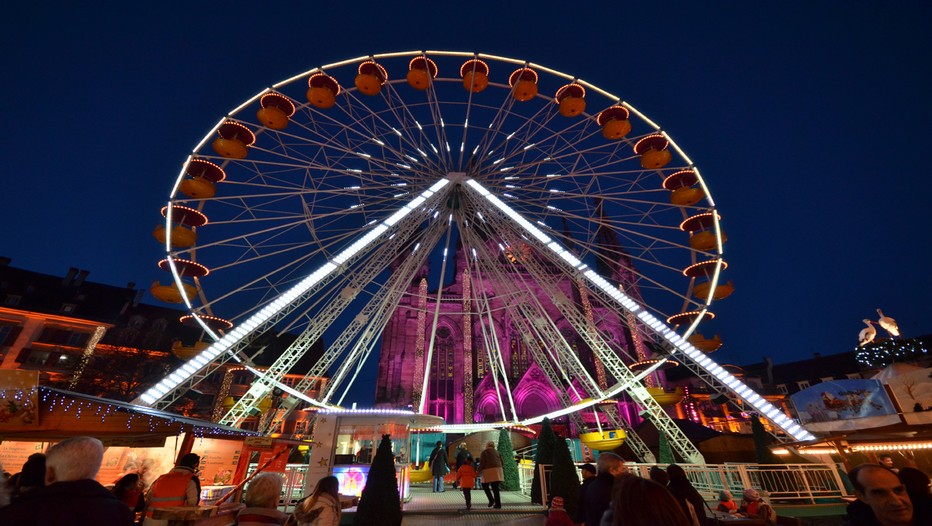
[587, 312]
[467, 348]
[882, 353]
[86, 355]
[420, 340]
[78, 405]
[222, 395]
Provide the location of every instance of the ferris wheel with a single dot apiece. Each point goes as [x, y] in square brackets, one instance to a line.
[313, 207]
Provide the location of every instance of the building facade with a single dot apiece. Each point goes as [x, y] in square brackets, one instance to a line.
[102, 340]
[460, 386]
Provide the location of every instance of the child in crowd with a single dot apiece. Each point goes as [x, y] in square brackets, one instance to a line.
[557, 516]
[466, 479]
[726, 502]
[754, 507]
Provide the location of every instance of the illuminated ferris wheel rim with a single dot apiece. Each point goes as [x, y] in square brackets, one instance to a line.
[712, 265]
[696, 316]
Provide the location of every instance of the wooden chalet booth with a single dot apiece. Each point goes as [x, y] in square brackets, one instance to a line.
[136, 439]
[863, 420]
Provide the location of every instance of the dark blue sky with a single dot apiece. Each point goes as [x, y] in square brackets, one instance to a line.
[811, 124]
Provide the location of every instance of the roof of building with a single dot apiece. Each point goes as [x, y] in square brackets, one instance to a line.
[69, 295]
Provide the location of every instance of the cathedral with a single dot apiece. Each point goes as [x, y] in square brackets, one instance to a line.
[477, 334]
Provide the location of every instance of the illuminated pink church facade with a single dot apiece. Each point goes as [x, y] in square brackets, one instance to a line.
[460, 386]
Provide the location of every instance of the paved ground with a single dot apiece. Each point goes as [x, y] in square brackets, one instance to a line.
[428, 508]
[475, 519]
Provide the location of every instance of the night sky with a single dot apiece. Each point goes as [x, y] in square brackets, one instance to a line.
[810, 123]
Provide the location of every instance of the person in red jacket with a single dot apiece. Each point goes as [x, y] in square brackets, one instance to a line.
[178, 487]
[466, 479]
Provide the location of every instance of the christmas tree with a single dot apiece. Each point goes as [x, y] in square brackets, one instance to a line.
[509, 466]
[564, 479]
[380, 502]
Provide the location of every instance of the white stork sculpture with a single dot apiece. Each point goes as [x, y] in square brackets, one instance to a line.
[867, 334]
[888, 324]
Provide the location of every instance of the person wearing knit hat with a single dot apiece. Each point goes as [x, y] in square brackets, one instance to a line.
[726, 502]
[557, 516]
[755, 507]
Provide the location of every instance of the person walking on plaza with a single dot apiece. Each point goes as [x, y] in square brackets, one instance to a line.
[599, 493]
[322, 508]
[262, 501]
[466, 478]
[462, 456]
[438, 466]
[71, 496]
[178, 487]
[490, 466]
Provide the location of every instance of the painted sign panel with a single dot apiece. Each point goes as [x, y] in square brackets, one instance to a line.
[913, 393]
[844, 404]
[219, 459]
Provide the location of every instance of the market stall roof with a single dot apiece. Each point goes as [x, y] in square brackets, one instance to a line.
[898, 436]
[49, 414]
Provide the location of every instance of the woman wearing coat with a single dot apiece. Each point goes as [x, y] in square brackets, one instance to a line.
[438, 466]
[322, 508]
[490, 466]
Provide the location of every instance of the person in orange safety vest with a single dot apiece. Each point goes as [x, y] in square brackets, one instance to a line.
[178, 487]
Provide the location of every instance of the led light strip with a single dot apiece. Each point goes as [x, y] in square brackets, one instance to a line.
[276, 306]
[738, 387]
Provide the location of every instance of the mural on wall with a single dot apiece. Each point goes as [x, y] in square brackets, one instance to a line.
[913, 392]
[844, 405]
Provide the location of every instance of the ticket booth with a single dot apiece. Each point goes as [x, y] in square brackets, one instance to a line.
[346, 441]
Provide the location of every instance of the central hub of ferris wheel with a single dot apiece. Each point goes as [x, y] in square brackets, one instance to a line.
[570, 201]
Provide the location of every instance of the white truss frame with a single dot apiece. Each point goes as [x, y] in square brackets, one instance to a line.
[614, 297]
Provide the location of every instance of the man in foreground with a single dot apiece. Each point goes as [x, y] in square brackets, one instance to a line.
[882, 498]
[71, 496]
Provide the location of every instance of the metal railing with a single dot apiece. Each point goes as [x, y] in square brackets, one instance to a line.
[778, 483]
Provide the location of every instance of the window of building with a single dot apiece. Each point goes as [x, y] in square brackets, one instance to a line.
[827, 378]
[68, 308]
[37, 357]
[854, 376]
[782, 388]
[60, 336]
[803, 384]
[78, 339]
[12, 299]
[8, 334]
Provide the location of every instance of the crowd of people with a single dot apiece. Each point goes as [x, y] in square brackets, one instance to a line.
[612, 496]
[59, 487]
